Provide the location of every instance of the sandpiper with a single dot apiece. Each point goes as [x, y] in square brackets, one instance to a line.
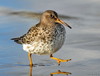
[45, 38]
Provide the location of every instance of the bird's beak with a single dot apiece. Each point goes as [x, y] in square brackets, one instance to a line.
[62, 22]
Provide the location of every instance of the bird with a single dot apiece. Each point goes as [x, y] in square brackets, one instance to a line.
[45, 38]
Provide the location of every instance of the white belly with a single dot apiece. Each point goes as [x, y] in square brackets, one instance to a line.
[44, 48]
[38, 48]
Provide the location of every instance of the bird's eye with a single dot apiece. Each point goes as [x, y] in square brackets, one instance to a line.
[52, 16]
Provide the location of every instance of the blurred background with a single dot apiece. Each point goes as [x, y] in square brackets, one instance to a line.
[82, 43]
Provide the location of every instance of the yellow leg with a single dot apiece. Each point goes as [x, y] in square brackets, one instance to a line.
[59, 60]
[30, 59]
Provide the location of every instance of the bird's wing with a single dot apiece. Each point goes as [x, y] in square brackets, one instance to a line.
[28, 37]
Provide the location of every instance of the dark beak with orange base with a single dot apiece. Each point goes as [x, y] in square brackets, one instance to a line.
[62, 22]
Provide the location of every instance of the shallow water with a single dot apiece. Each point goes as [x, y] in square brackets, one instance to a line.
[82, 43]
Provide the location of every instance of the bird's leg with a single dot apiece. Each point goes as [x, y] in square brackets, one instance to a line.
[30, 59]
[59, 60]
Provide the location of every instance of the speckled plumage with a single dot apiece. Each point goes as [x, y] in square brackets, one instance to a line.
[46, 37]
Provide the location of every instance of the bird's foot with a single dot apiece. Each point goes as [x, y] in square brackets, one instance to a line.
[60, 60]
[31, 65]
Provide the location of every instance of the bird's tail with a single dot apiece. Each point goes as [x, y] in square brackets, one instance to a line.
[17, 40]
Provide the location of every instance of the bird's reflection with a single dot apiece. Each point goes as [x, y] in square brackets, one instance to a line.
[30, 72]
[53, 73]
[60, 72]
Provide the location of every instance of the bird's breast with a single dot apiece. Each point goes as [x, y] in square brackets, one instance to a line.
[47, 41]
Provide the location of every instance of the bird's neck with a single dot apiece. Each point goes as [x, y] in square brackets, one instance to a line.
[46, 24]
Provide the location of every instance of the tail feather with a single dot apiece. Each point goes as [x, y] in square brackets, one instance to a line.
[17, 40]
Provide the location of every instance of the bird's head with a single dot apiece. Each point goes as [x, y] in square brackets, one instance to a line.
[51, 17]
